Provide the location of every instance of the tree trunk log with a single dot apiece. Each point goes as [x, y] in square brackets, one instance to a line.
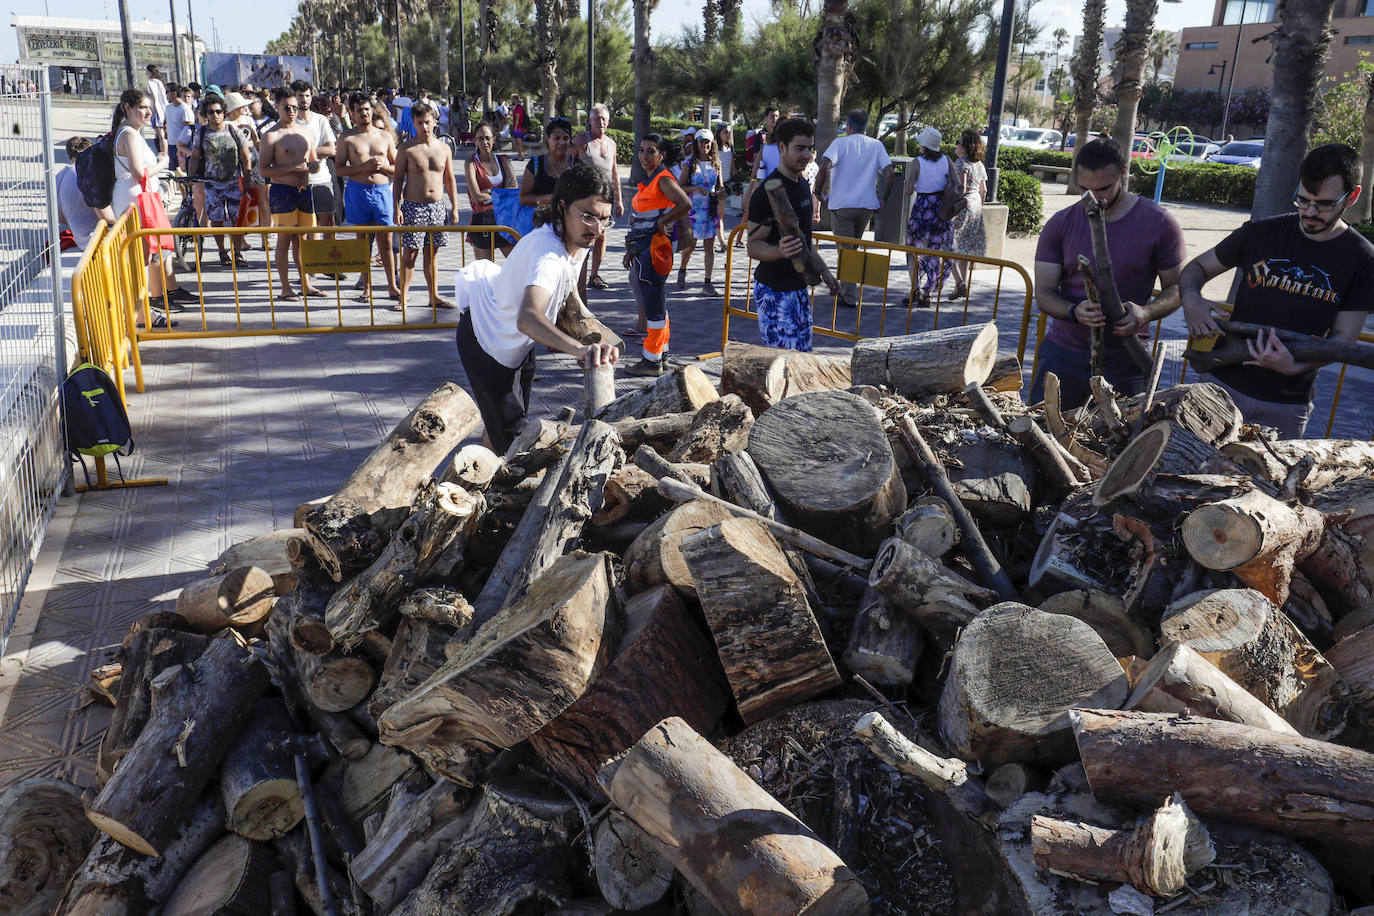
[232, 878]
[1353, 658]
[419, 650]
[632, 493]
[1164, 448]
[44, 835]
[1339, 571]
[884, 646]
[525, 668]
[996, 712]
[829, 466]
[513, 858]
[257, 780]
[1338, 461]
[1231, 349]
[763, 376]
[993, 480]
[655, 557]
[1294, 786]
[598, 387]
[1005, 375]
[294, 852]
[579, 323]
[473, 468]
[939, 598]
[1242, 633]
[335, 682]
[929, 526]
[116, 881]
[351, 528]
[766, 635]
[685, 388]
[934, 362]
[1202, 408]
[269, 552]
[445, 606]
[666, 666]
[631, 872]
[416, 828]
[428, 543]
[1105, 613]
[658, 432]
[720, 427]
[1179, 680]
[360, 788]
[729, 838]
[1157, 856]
[198, 710]
[1052, 461]
[1256, 537]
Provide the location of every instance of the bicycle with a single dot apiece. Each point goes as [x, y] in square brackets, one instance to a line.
[186, 218]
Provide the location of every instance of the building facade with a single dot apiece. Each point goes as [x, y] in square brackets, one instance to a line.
[1236, 43]
[85, 57]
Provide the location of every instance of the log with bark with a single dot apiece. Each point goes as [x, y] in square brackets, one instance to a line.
[655, 557]
[198, 709]
[1335, 461]
[523, 668]
[763, 376]
[1165, 448]
[884, 645]
[237, 598]
[632, 493]
[685, 388]
[765, 632]
[927, 590]
[933, 362]
[1231, 350]
[44, 835]
[232, 878]
[732, 840]
[1295, 786]
[929, 526]
[631, 872]
[1060, 470]
[807, 262]
[349, 530]
[1005, 375]
[273, 553]
[474, 467]
[1256, 645]
[579, 323]
[1353, 659]
[830, 467]
[1256, 537]
[419, 824]
[994, 480]
[1203, 408]
[420, 648]
[257, 780]
[998, 712]
[1105, 613]
[666, 666]
[335, 681]
[720, 427]
[1111, 303]
[1179, 680]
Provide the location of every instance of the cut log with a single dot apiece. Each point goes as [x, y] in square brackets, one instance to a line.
[429, 542]
[198, 710]
[445, 606]
[1165, 448]
[1157, 856]
[1095, 462]
[766, 635]
[113, 880]
[1179, 680]
[512, 858]
[1005, 375]
[763, 376]
[1007, 783]
[539, 444]
[553, 523]
[297, 619]
[335, 682]
[1231, 350]
[361, 787]
[807, 262]
[828, 464]
[1338, 569]
[982, 405]
[884, 646]
[1105, 613]
[658, 432]
[685, 388]
[1067, 555]
[419, 649]
[997, 712]
[1053, 462]
[237, 598]
[630, 872]
[1353, 659]
[929, 526]
[351, 528]
[1256, 537]
[993, 479]
[632, 493]
[934, 362]
[473, 468]
[1203, 408]
[524, 667]
[232, 878]
[598, 387]
[1337, 461]
[655, 557]
[721, 427]
[666, 666]
[732, 840]
[1294, 786]
[579, 323]
[269, 552]
[416, 827]
[258, 777]
[931, 593]
[1242, 633]
[44, 835]
[147, 654]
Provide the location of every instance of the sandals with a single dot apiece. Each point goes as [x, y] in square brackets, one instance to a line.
[597, 283]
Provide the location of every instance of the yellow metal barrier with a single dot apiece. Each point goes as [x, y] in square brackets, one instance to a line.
[869, 263]
[102, 314]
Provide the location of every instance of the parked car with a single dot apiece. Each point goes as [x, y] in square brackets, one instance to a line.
[1240, 152]
[1034, 138]
[1142, 148]
[1194, 150]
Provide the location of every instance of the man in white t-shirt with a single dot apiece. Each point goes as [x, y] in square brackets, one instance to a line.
[72, 209]
[180, 118]
[321, 180]
[157, 93]
[509, 308]
[854, 165]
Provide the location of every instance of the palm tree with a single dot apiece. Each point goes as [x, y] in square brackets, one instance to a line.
[1163, 45]
[1132, 48]
[1085, 75]
[486, 30]
[548, 28]
[1300, 40]
[643, 60]
[438, 11]
[730, 34]
[836, 45]
[1360, 210]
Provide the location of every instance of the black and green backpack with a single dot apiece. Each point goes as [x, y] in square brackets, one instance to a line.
[97, 424]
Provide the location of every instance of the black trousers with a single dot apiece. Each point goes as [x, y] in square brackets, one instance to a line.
[502, 393]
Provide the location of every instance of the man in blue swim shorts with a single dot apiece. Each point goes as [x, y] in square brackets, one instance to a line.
[367, 158]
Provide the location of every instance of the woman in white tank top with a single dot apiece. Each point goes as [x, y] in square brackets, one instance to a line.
[133, 159]
[927, 176]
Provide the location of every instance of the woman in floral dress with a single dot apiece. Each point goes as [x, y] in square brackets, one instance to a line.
[700, 178]
[970, 237]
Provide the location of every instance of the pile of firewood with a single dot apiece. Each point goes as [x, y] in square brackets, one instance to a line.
[847, 635]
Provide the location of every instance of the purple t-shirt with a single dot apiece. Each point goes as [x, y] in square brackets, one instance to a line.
[1142, 243]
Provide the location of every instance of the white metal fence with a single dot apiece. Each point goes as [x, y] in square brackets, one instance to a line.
[33, 464]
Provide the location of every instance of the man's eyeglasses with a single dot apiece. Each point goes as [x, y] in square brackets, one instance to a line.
[1321, 206]
[292, 107]
[592, 221]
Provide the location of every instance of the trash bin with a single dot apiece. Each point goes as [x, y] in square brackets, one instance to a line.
[892, 212]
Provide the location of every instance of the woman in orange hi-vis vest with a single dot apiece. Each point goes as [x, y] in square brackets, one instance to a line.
[659, 203]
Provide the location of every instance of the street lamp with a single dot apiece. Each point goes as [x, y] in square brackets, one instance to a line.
[1213, 69]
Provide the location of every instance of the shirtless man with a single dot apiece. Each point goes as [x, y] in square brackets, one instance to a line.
[367, 157]
[596, 147]
[424, 174]
[287, 160]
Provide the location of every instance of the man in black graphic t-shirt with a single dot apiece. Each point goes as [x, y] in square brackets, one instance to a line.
[1307, 272]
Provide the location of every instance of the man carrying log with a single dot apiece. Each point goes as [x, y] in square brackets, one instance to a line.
[1145, 244]
[506, 310]
[781, 296]
[1307, 272]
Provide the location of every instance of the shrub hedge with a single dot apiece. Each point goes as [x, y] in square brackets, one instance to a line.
[1025, 206]
[1201, 183]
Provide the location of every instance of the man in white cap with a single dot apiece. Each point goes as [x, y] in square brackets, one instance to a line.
[852, 166]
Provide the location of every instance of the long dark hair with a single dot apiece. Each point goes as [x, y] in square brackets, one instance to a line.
[580, 180]
[972, 144]
[666, 146]
[133, 97]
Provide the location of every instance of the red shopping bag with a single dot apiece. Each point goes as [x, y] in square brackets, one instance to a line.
[153, 215]
[247, 217]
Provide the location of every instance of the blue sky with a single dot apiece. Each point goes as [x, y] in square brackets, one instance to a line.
[248, 24]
